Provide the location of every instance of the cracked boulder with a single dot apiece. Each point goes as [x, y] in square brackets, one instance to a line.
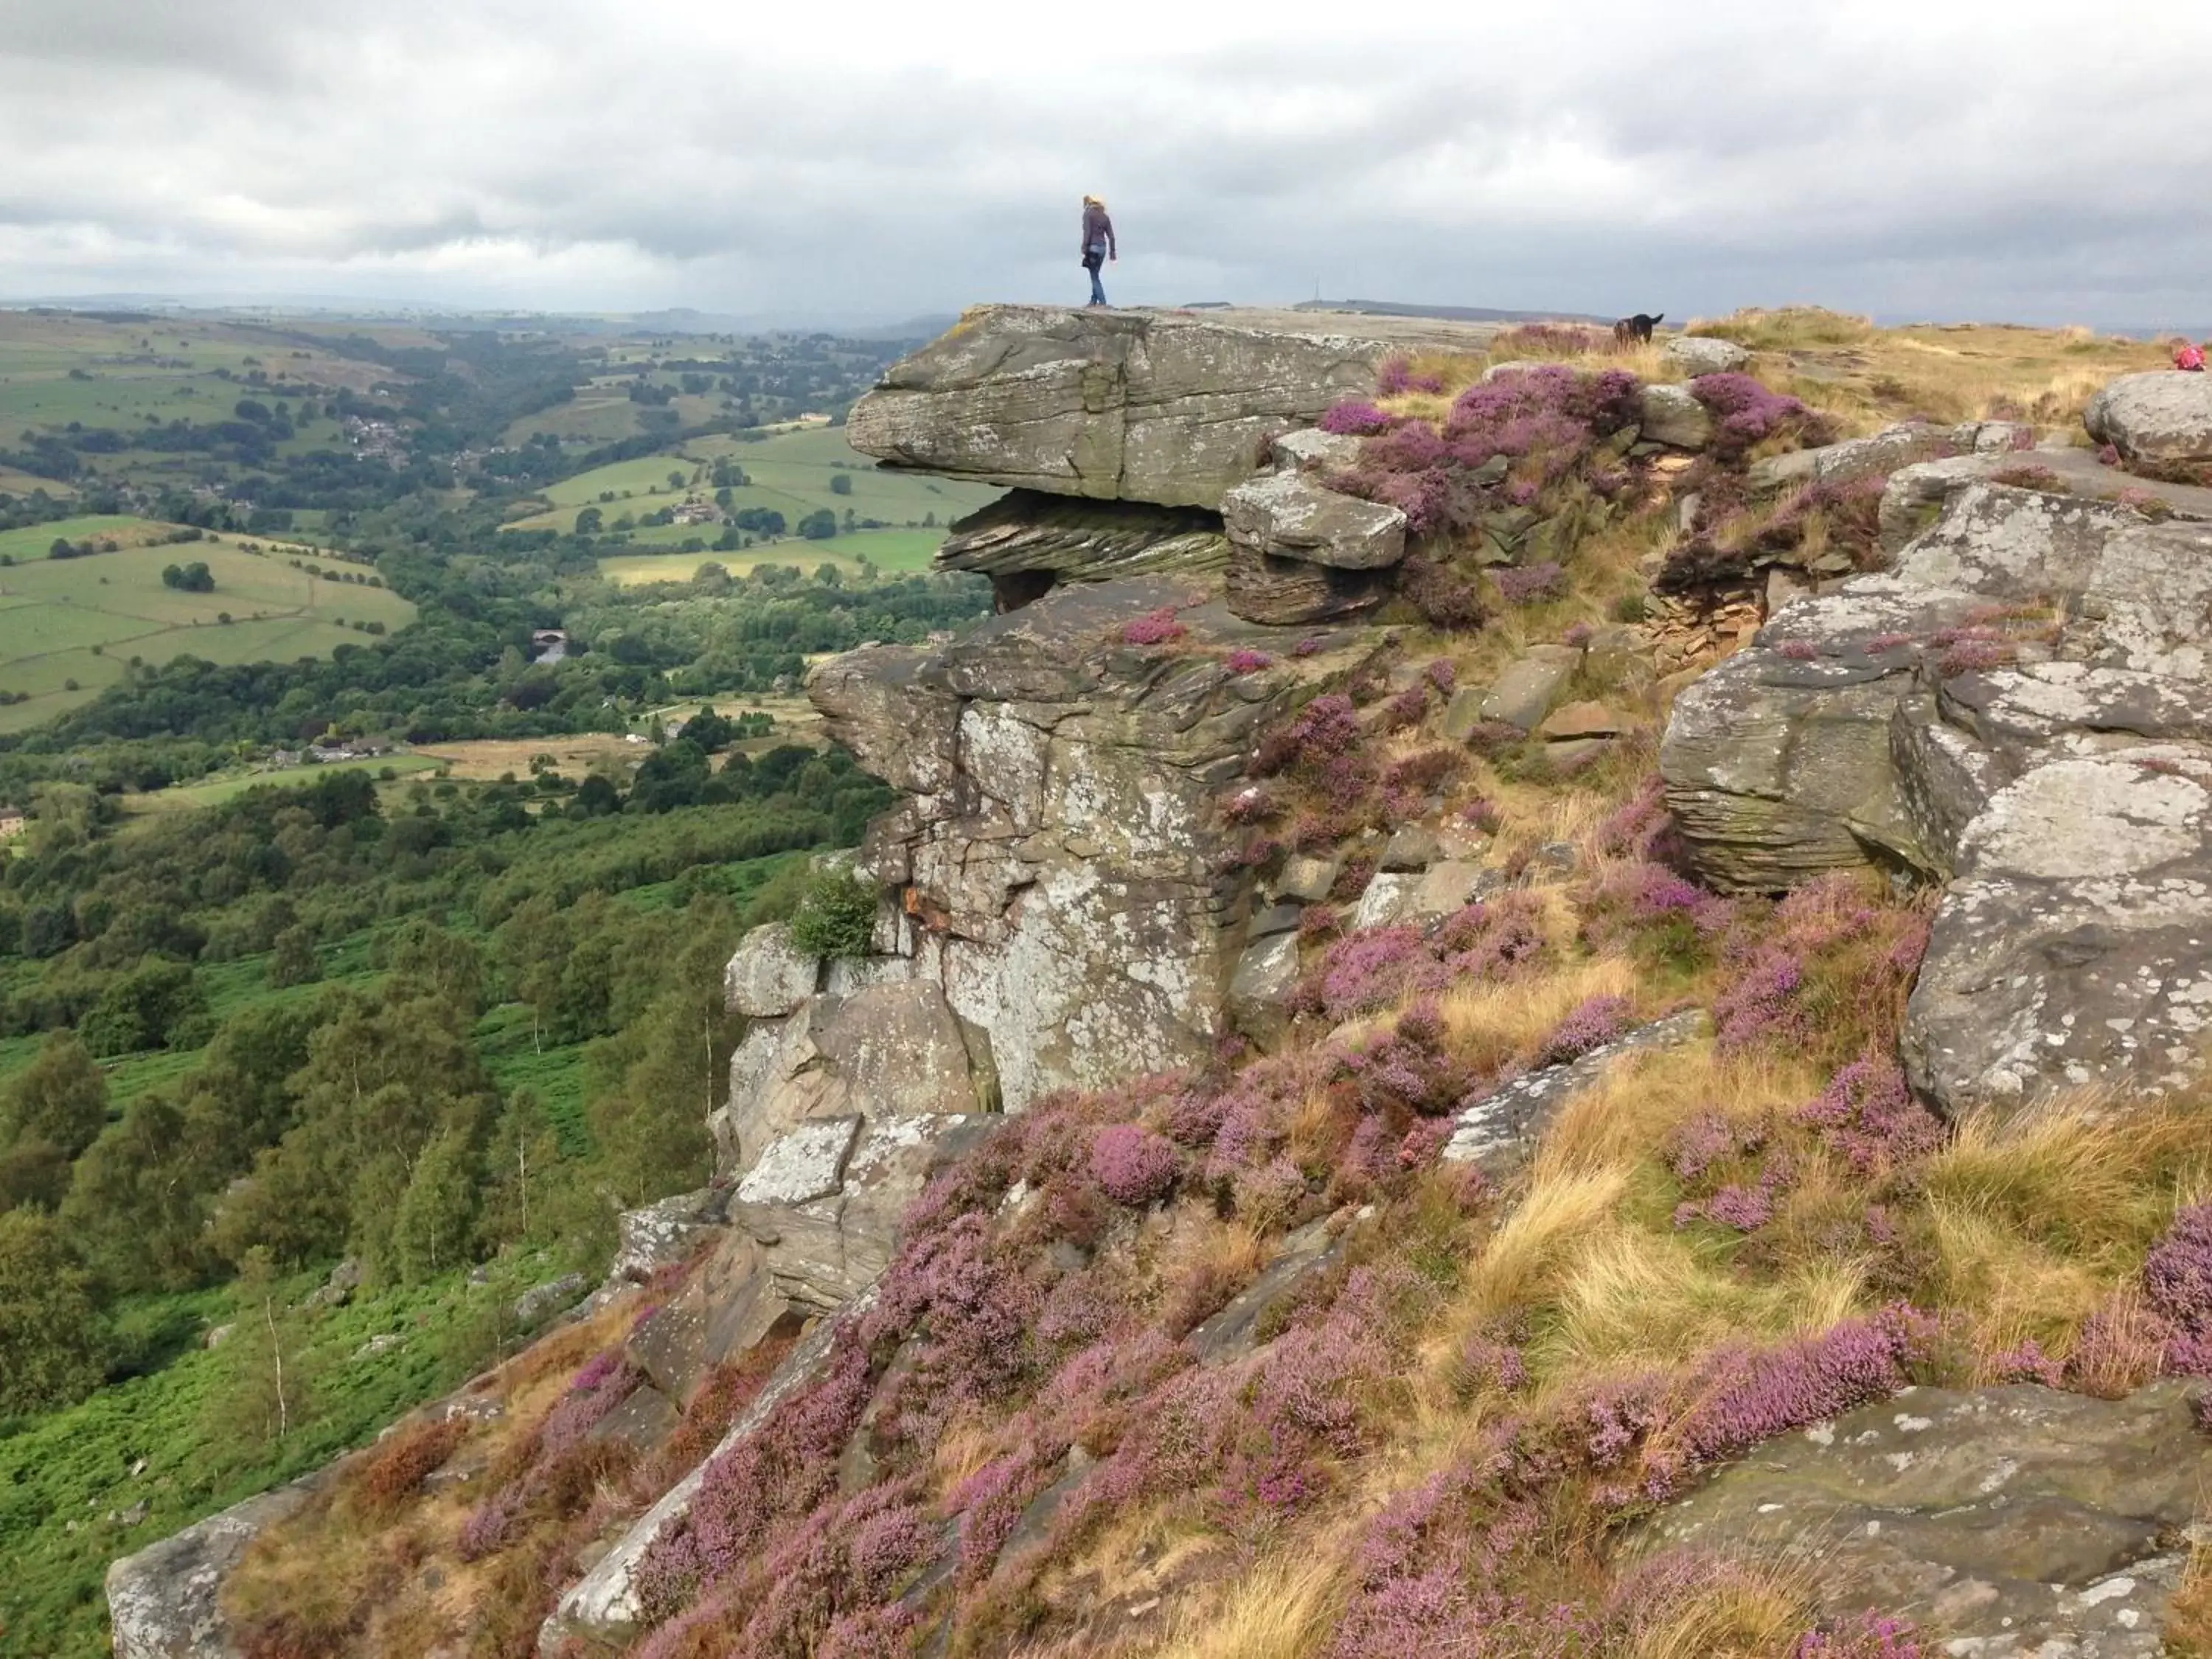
[2014, 1523]
[1060, 873]
[2020, 709]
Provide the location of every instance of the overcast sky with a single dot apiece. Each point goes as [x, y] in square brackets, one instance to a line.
[2029, 161]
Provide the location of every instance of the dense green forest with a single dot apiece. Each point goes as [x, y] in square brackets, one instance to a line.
[442, 1032]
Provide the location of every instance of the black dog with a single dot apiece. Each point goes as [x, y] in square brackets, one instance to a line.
[1637, 329]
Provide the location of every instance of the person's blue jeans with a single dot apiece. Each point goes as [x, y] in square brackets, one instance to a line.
[1092, 259]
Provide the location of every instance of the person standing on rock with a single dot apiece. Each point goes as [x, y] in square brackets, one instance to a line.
[1098, 244]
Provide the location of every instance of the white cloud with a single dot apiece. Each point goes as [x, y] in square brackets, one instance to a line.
[888, 160]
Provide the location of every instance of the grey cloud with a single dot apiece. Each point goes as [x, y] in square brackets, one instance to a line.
[586, 153]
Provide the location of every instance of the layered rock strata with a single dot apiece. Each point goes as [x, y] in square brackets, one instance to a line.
[2017, 709]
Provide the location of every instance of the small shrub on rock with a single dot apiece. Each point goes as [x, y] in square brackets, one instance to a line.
[837, 916]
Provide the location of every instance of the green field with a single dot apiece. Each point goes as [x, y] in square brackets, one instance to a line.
[165, 368]
[83, 620]
[215, 790]
[791, 474]
[887, 550]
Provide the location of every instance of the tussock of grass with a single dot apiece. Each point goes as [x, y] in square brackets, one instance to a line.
[1752, 1610]
[1634, 1299]
[1281, 1608]
[1644, 1099]
[1532, 1249]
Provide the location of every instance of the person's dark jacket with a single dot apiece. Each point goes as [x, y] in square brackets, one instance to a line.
[1097, 228]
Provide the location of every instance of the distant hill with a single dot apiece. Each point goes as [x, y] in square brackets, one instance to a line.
[1451, 314]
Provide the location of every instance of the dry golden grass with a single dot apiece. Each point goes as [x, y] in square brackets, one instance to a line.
[1630, 1112]
[1535, 1247]
[2189, 1615]
[1282, 1608]
[1753, 1610]
[1487, 1024]
[1630, 1299]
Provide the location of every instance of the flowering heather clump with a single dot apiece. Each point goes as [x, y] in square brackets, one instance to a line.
[1578, 635]
[2028, 476]
[1745, 1209]
[1482, 815]
[1532, 584]
[597, 1389]
[1398, 378]
[1154, 628]
[1252, 806]
[1319, 921]
[1245, 660]
[1798, 650]
[2026, 1364]
[1496, 938]
[1880, 643]
[1597, 1022]
[1975, 653]
[1869, 1114]
[1490, 738]
[1372, 970]
[1709, 1139]
[2177, 1275]
[1135, 1166]
[1357, 418]
[1424, 770]
[1306, 647]
[1442, 674]
[1442, 589]
[1749, 414]
[1407, 708]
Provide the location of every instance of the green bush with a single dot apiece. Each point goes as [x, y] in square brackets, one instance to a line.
[837, 917]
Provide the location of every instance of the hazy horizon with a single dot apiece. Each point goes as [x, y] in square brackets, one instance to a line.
[1909, 161]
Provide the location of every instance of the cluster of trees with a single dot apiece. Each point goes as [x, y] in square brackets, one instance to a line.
[193, 577]
[358, 1117]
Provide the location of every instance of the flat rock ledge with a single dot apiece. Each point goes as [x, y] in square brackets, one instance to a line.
[2014, 1523]
[1169, 407]
[2018, 710]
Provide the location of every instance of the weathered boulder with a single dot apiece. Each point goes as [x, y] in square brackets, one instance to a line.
[2012, 1522]
[1913, 498]
[1857, 458]
[1058, 869]
[1697, 354]
[1286, 515]
[1259, 990]
[660, 1235]
[890, 1046]
[1173, 408]
[540, 1302]
[2164, 415]
[2020, 709]
[1673, 417]
[165, 1601]
[1531, 686]
[769, 976]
